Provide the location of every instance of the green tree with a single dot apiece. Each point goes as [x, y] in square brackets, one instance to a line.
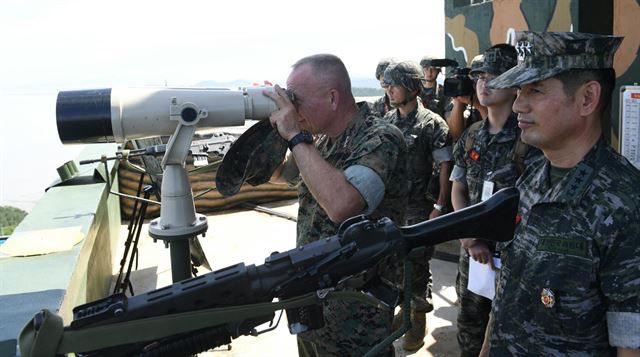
[10, 217]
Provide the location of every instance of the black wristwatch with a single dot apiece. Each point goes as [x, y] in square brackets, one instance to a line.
[302, 137]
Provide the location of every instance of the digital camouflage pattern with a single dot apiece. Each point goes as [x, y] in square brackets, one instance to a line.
[352, 328]
[252, 158]
[381, 106]
[477, 62]
[495, 61]
[494, 157]
[491, 158]
[424, 132]
[572, 268]
[382, 66]
[434, 99]
[543, 55]
[407, 74]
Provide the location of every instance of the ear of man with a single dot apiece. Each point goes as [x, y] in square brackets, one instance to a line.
[334, 98]
[588, 97]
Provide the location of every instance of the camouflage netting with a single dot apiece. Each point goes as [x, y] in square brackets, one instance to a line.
[210, 202]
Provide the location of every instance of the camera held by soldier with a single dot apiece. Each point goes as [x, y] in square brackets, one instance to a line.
[459, 84]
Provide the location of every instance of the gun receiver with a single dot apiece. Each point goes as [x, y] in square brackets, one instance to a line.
[359, 246]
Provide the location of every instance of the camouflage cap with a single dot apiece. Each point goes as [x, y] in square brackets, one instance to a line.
[407, 74]
[477, 62]
[383, 64]
[543, 55]
[497, 60]
[252, 158]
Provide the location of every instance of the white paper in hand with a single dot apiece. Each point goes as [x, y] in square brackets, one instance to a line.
[482, 279]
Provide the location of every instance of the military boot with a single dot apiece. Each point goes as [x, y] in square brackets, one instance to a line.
[414, 338]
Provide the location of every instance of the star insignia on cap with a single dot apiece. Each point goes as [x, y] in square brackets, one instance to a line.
[524, 49]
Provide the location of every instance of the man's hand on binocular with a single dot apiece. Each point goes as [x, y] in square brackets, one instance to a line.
[286, 119]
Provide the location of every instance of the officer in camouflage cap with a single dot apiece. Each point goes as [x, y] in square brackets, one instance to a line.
[426, 135]
[570, 278]
[543, 55]
[381, 106]
[432, 94]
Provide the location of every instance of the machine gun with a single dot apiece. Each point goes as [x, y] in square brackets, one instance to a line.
[197, 314]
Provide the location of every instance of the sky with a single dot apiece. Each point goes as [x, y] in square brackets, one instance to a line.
[54, 45]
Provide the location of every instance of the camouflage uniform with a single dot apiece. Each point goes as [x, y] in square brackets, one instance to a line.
[353, 328]
[428, 141]
[495, 164]
[482, 156]
[434, 99]
[570, 278]
[578, 242]
[471, 114]
[381, 106]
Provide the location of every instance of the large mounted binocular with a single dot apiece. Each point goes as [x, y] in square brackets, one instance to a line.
[119, 114]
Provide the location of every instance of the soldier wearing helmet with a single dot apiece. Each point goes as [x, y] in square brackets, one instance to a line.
[428, 142]
[432, 94]
[463, 111]
[381, 106]
[488, 157]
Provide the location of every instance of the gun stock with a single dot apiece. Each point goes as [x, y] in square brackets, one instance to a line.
[492, 220]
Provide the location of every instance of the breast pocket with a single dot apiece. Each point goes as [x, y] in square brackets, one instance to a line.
[563, 294]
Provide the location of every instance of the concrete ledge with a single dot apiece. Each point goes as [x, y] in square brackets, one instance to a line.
[60, 281]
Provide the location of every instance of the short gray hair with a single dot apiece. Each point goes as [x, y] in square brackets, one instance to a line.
[328, 67]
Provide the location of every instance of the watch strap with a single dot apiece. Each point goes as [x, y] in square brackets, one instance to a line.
[302, 137]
